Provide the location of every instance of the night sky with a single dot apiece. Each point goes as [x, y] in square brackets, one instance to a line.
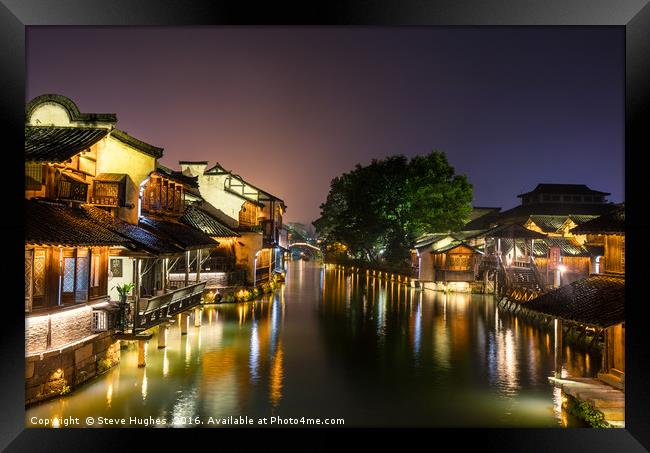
[291, 108]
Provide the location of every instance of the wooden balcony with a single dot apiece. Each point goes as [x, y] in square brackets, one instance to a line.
[159, 309]
[446, 275]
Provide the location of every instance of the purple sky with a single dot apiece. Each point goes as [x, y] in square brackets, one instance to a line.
[291, 108]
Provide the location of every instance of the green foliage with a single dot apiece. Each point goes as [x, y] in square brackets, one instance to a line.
[65, 390]
[104, 365]
[124, 289]
[588, 413]
[374, 213]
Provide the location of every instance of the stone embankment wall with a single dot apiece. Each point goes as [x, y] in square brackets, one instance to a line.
[56, 372]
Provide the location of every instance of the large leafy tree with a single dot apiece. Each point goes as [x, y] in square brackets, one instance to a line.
[375, 212]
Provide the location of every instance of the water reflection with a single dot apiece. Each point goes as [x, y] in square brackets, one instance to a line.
[331, 343]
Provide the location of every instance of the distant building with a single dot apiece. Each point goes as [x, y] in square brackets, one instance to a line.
[552, 210]
[254, 213]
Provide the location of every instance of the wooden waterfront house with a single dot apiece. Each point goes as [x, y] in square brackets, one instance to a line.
[85, 234]
[596, 305]
[447, 261]
[254, 213]
[163, 206]
[611, 228]
[219, 268]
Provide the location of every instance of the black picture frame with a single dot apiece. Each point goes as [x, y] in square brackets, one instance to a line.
[116, 267]
[633, 15]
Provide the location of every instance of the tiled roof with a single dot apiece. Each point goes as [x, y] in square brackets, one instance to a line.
[549, 223]
[191, 181]
[513, 230]
[612, 222]
[143, 239]
[110, 177]
[520, 214]
[568, 247]
[598, 300]
[469, 234]
[206, 222]
[137, 144]
[58, 144]
[178, 233]
[564, 189]
[428, 239]
[51, 223]
[580, 219]
[452, 245]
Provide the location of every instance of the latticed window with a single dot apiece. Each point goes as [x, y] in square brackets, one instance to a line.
[152, 192]
[81, 290]
[163, 196]
[33, 177]
[72, 190]
[248, 214]
[459, 262]
[39, 273]
[29, 266]
[177, 199]
[171, 191]
[623, 253]
[108, 193]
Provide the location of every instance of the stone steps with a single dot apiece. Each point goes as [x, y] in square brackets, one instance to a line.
[604, 398]
[613, 413]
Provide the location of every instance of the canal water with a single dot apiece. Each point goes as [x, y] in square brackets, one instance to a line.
[330, 345]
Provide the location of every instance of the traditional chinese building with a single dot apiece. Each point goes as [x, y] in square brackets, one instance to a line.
[87, 232]
[254, 213]
[557, 256]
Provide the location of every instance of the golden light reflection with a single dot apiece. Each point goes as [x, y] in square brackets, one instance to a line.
[188, 352]
[276, 377]
[165, 369]
[109, 395]
[559, 406]
[144, 385]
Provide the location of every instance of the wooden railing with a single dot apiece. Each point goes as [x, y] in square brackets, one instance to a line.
[211, 279]
[161, 308]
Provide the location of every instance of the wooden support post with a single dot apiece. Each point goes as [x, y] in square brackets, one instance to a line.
[136, 293]
[162, 336]
[197, 317]
[141, 353]
[187, 268]
[182, 322]
[165, 274]
[198, 265]
[558, 348]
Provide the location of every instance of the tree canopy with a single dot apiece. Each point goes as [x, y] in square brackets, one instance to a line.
[375, 212]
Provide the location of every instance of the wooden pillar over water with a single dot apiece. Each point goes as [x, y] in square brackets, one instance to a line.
[141, 353]
[558, 348]
[183, 321]
[162, 336]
